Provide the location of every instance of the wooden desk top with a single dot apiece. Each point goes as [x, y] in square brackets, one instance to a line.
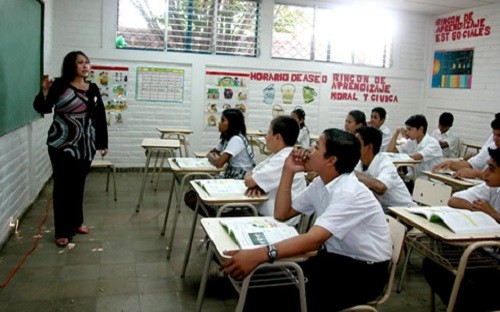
[439, 231]
[401, 159]
[448, 179]
[473, 145]
[206, 169]
[218, 201]
[160, 143]
[252, 133]
[174, 130]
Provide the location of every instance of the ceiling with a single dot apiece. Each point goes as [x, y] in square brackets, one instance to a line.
[427, 7]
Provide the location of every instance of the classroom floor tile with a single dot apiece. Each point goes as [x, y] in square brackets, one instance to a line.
[122, 264]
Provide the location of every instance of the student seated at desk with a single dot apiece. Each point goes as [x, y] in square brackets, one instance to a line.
[233, 148]
[479, 288]
[377, 119]
[266, 176]
[354, 120]
[378, 172]
[473, 167]
[350, 232]
[446, 136]
[420, 145]
[303, 139]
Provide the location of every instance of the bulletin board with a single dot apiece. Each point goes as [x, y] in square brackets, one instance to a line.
[21, 61]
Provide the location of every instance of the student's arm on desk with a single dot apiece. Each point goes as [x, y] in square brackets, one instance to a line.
[372, 183]
[218, 160]
[454, 165]
[478, 204]
[243, 262]
[468, 173]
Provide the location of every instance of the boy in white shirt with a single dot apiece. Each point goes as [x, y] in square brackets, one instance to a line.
[446, 136]
[479, 288]
[266, 176]
[420, 145]
[473, 167]
[350, 232]
[377, 119]
[378, 172]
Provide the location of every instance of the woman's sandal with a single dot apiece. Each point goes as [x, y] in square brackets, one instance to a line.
[62, 242]
[82, 230]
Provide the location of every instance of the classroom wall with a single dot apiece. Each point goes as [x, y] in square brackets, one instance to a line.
[89, 26]
[473, 108]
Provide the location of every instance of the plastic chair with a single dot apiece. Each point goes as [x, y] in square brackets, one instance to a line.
[398, 232]
[425, 193]
[101, 163]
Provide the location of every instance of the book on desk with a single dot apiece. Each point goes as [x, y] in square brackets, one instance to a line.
[460, 221]
[398, 156]
[222, 187]
[186, 162]
[251, 233]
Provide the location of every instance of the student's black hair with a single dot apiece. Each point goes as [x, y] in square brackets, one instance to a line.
[380, 111]
[495, 155]
[497, 115]
[344, 146]
[287, 127]
[68, 69]
[495, 124]
[446, 119]
[371, 135]
[359, 117]
[236, 122]
[301, 114]
[417, 121]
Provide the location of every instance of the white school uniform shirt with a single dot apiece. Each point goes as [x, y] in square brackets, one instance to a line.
[239, 151]
[303, 139]
[452, 151]
[386, 137]
[429, 149]
[480, 160]
[482, 191]
[267, 175]
[348, 209]
[396, 195]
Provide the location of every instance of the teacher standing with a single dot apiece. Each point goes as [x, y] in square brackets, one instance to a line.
[79, 129]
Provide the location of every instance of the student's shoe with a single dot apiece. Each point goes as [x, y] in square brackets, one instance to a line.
[62, 242]
[82, 230]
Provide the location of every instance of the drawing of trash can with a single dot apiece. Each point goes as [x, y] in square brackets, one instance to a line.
[287, 90]
[309, 94]
[269, 94]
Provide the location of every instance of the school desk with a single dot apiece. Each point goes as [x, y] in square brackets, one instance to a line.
[457, 184]
[217, 201]
[455, 252]
[403, 160]
[180, 177]
[150, 146]
[253, 136]
[181, 134]
[287, 270]
[470, 145]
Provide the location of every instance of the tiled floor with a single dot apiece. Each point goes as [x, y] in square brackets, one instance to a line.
[122, 265]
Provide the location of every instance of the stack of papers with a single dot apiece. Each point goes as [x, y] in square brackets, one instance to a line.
[223, 187]
[187, 162]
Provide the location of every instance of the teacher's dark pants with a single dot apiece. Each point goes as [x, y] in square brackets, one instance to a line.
[69, 176]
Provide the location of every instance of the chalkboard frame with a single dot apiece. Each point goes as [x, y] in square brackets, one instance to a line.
[16, 109]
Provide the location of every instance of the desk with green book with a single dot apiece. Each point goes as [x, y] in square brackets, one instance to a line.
[283, 271]
[217, 193]
[183, 170]
[454, 251]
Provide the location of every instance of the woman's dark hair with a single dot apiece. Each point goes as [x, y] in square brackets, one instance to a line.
[359, 117]
[301, 114]
[68, 70]
[236, 123]
[345, 147]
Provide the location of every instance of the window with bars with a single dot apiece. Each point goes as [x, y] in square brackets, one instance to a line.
[202, 26]
[344, 34]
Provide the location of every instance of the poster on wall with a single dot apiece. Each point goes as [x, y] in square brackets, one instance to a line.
[453, 69]
[113, 83]
[160, 84]
[224, 90]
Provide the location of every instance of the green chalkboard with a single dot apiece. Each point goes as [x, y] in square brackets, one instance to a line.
[21, 61]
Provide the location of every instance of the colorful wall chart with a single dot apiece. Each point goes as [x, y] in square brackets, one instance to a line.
[160, 84]
[452, 69]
